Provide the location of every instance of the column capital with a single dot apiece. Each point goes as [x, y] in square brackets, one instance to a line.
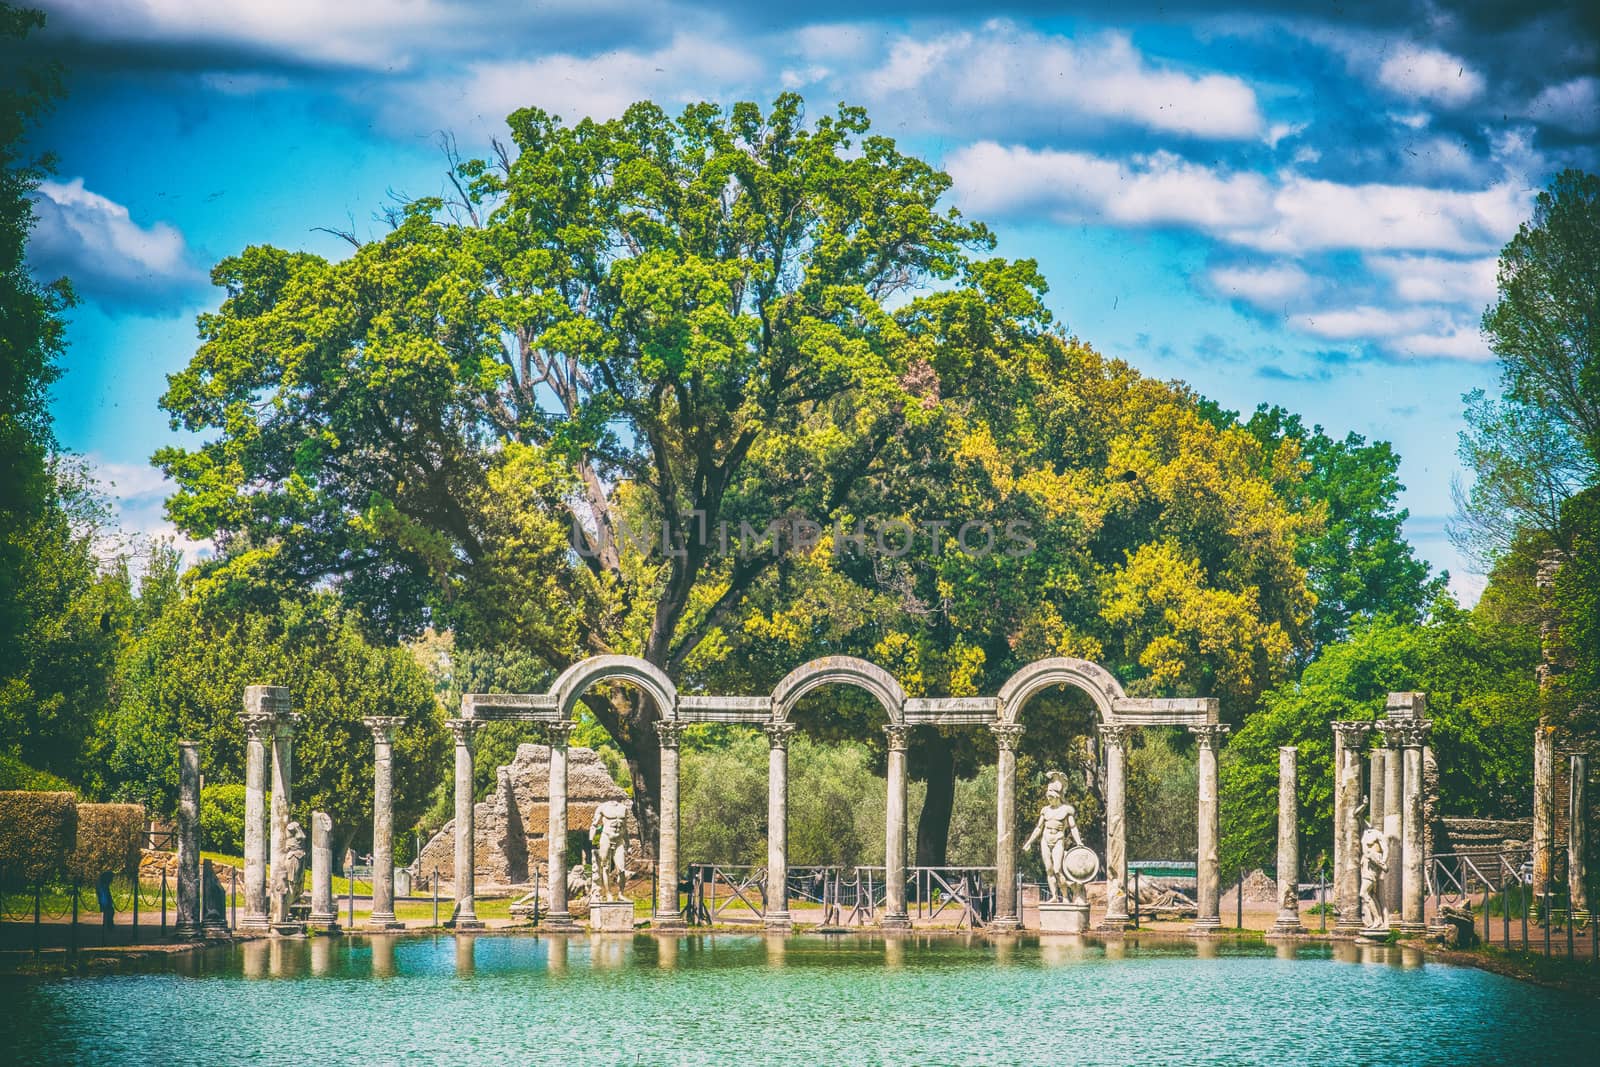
[1393, 731]
[669, 731]
[1209, 734]
[899, 735]
[383, 726]
[1351, 733]
[259, 728]
[558, 732]
[1415, 734]
[778, 734]
[1007, 735]
[268, 700]
[1115, 735]
[463, 729]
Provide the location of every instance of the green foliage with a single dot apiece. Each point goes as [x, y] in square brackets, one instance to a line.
[1539, 442]
[185, 678]
[1359, 564]
[14, 774]
[222, 818]
[37, 834]
[109, 839]
[1576, 599]
[1162, 811]
[1477, 668]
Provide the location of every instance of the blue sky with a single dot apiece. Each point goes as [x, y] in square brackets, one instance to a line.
[1272, 204]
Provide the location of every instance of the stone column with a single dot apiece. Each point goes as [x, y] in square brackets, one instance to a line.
[1287, 923]
[668, 915]
[559, 916]
[282, 786]
[777, 915]
[466, 916]
[1413, 886]
[1208, 910]
[1393, 817]
[1346, 829]
[1578, 839]
[383, 727]
[1375, 798]
[262, 705]
[1116, 742]
[324, 913]
[894, 845]
[1007, 915]
[1544, 807]
[188, 924]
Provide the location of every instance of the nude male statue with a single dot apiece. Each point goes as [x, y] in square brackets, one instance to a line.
[608, 832]
[1056, 820]
[1374, 863]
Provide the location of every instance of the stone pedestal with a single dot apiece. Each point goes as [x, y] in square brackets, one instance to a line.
[1063, 918]
[1287, 923]
[668, 916]
[466, 915]
[1006, 912]
[324, 912]
[611, 916]
[188, 923]
[383, 727]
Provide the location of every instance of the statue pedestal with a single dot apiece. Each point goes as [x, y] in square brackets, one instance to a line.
[611, 916]
[1063, 918]
[289, 929]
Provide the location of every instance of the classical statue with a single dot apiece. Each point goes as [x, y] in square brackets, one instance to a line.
[608, 831]
[1374, 862]
[287, 882]
[1056, 821]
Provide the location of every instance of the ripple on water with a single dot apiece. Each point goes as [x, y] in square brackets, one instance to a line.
[806, 1000]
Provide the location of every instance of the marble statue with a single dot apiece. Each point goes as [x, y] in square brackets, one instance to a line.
[286, 883]
[1056, 821]
[1374, 863]
[608, 831]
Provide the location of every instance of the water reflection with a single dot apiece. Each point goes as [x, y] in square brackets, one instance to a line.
[383, 955]
[1116, 948]
[1286, 949]
[466, 957]
[1206, 948]
[607, 952]
[666, 953]
[321, 956]
[254, 957]
[777, 948]
[558, 955]
[1057, 949]
[894, 952]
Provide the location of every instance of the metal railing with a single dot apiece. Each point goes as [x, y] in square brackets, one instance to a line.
[847, 896]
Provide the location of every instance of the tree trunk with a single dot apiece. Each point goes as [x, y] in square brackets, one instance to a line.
[933, 826]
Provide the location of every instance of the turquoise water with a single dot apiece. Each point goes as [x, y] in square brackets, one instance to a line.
[728, 999]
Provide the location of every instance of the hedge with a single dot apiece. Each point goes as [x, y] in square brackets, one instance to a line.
[37, 834]
[110, 837]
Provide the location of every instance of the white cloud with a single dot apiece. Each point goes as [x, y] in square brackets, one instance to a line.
[95, 242]
[1438, 279]
[1429, 74]
[575, 87]
[1266, 287]
[1574, 105]
[138, 493]
[1428, 332]
[1286, 214]
[1006, 77]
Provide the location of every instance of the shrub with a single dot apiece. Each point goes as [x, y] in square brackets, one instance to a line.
[222, 819]
[37, 834]
[108, 839]
[14, 774]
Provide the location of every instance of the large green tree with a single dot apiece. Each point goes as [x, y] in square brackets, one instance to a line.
[718, 316]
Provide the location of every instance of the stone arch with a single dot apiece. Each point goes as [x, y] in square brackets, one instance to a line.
[577, 679]
[1039, 675]
[839, 670]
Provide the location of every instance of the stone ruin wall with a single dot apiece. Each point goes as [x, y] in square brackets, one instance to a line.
[512, 823]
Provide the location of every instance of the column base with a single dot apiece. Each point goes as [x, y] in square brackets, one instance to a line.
[1405, 929]
[1374, 933]
[1341, 928]
[328, 926]
[777, 920]
[1287, 928]
[1006, 924]
[383, 924]
[1207, 927]
[216, 932]
[672, 920]
[895, 922]
[289, 929]
[560, 922]
[254, 923]
[1109, 924]
[470, 923]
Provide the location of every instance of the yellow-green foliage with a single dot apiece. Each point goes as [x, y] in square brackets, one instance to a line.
[37, 832]
[109, 837]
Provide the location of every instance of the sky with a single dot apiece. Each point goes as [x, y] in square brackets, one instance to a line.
[1276, 203]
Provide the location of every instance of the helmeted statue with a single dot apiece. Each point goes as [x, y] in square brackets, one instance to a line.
[1056, 821]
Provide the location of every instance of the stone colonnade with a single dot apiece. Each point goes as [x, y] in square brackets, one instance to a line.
[1118, 715]
[268, 718]
[1392, 803]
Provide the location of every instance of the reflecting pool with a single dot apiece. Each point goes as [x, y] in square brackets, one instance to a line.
[724, 999]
